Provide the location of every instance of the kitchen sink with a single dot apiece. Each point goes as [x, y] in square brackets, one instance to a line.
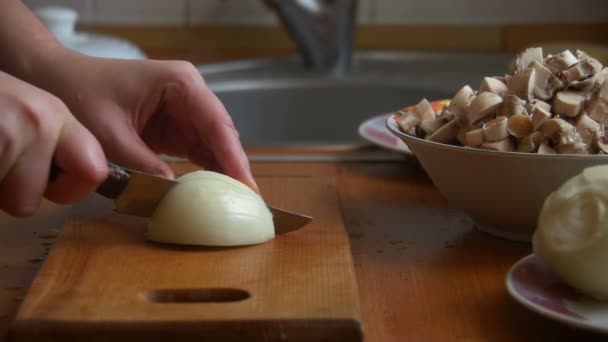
[278, 102]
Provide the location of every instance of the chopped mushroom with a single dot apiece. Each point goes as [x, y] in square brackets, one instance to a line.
[460, 103]
[496, 129]
[531, 143]
[431, 125]
[512, 105]
[539, 115]
[597, 108]
[545, 83]
[571, 148]
[544, 148]
[446, 134]
[593, 64]
[587, 128]
[587, 86]
[568, 103]
[408, 122]
[560, 62]
[520, 126]
[522, 84]
[483, 105]
[528, 56]
[505, 145]
[492, 85]
[600, 145]
[424, 111]
[558, 130]
[602, 93]
[554, 105]
[577, 72]
[474, 138]
[538, 103]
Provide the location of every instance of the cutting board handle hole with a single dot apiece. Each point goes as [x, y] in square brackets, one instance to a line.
[208, 295]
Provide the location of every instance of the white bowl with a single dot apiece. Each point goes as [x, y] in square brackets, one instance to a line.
[502, 192]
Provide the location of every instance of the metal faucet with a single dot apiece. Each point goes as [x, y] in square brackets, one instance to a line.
[322, 29]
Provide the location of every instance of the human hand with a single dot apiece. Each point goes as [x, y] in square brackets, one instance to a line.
[140, 108]
[36, 127]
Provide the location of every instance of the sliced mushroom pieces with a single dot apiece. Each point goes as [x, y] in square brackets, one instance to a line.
[538, 103]
[602, 92]
[545, 83]
[474, 138]
[560, 62]
[571, 148]
[492, 85]
[408, 123]
[558, 104]
[431, 125]
[522, 84]
[520, 126]
[568, 103]
[460, 103]
[587, 86]
[446, 134]
[587, 128]
[593, 64]
[539, 115]
[598, 110]
[531, 143]
[577, 72]
[483, 105]
[424, 110]
[544, 148]
[496, 129]
[505, 145]
[565, 138]
[600, 145]
[512, 105]
[528, 56]
[551, 127]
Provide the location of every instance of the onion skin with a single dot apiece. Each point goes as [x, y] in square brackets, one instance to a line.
[211, 209]
[572, 233]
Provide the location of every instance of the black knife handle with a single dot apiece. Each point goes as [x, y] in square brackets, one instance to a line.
[112, 187]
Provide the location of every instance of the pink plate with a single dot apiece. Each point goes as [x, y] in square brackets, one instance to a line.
[374, 130]
[534, 286]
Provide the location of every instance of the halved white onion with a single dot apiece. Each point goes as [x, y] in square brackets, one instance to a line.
[211, 209]
[572, 233]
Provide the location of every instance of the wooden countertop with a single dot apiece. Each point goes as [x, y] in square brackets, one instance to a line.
[424, 272]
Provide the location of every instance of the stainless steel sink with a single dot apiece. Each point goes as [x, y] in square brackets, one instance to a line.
[277, 102]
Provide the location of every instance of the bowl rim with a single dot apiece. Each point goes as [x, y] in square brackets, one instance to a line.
[392, 126]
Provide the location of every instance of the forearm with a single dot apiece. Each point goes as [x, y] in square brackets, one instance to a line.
[26, 45]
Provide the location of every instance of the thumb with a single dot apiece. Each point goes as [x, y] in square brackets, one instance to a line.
[126, 148]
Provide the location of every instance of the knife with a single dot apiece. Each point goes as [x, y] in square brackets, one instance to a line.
[137, 193]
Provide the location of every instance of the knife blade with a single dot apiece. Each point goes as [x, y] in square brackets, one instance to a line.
[137, 193]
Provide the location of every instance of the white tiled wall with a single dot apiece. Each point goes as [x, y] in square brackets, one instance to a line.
[172, 12]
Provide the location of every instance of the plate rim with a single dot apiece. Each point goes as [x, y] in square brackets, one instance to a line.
[584, 324]
[384, 117]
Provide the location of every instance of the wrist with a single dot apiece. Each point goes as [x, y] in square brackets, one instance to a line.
[40, 65]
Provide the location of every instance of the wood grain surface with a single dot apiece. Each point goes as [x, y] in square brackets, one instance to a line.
[104, 281]
[424, 272]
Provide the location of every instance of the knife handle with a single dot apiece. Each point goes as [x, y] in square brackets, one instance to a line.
[112, 187]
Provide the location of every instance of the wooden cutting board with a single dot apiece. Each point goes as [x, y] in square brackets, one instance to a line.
[104, 282]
